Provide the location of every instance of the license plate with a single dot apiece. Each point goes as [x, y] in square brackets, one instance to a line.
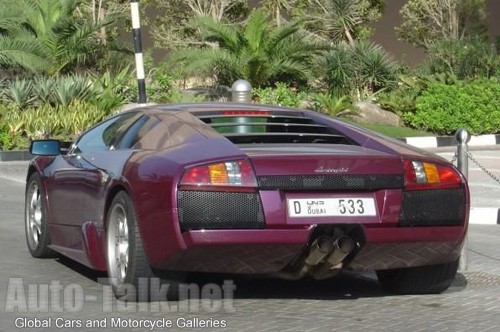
[331, 207]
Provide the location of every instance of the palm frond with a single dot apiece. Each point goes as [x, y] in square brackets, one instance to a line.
[256, 30]
[227, 36]
[277, 35]
[259, 52]
[28, 54]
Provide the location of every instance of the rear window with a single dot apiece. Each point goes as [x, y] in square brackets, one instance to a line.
[252, 127]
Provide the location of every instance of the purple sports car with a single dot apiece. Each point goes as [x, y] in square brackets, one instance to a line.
[246, 189]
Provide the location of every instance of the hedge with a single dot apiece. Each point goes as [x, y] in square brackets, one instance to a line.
[443, 108]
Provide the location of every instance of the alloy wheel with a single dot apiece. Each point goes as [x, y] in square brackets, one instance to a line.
[118, 244]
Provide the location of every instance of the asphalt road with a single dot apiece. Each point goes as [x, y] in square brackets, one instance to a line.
[349, 303]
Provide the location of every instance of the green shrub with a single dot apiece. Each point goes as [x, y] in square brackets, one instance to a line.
[466, 59]
[444, 108]
[399, 101]
[282, 95]
[60, 122]
[11, 142]
[332, 105]
[359, 70]
[106, 91]
[402, 100]
[113, 90]
[161, 87]
[18, 93]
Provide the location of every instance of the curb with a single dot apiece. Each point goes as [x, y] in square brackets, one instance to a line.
[444, 141]
[17, 155]
[484, 216]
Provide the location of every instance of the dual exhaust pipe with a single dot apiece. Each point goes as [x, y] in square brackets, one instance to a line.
[324, 259]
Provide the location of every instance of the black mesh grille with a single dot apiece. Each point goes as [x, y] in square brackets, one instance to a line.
[443, 207]
[219, 210]
[331, 182]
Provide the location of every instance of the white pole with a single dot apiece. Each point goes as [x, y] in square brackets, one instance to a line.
[139, 59]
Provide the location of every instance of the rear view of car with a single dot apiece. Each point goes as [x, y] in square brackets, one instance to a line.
[247, 189]
[395, 211]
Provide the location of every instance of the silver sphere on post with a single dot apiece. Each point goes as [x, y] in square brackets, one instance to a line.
[241, 91]
[462, 136]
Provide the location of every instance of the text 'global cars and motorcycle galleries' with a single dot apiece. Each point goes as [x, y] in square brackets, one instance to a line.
[119, 322]
[165, 190]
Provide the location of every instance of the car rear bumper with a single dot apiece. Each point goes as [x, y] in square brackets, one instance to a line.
[268, 251]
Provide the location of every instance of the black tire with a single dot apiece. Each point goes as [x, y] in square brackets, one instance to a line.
[132, 283]
[430, 279]
[35, 219]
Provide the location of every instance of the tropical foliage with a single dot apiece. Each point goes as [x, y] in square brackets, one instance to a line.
[465, 59]
[282, 95]
[106, 91]
[358, 70]
[257, 51]
[174, 29]
[339, 20]
[63, 67]
[333, 105]
[61, 122]
[48, 36]
[443, 108]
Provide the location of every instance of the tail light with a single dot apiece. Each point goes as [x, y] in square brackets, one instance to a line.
[245, 113]
[421, 175]
[235, 175]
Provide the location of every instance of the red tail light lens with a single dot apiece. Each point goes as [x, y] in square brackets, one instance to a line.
[421, 175]
[242, 113]
[232, 174]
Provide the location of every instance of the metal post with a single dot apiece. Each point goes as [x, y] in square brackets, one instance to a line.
[241, 91]
[463, 137]
[139, 59]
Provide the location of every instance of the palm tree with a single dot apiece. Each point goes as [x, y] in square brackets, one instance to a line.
[256, 51]
[16, 48]
[340, 70]
[47, 35]
[26, 54]
[376, 68]
[359, 69]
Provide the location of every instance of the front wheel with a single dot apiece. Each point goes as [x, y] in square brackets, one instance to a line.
[431, 279]
[129, 271]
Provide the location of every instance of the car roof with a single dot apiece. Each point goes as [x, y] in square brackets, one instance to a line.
[255, 123]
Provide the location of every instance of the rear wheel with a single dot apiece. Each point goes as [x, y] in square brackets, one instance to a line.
[431, 279]
[128, 268]
[35, 215]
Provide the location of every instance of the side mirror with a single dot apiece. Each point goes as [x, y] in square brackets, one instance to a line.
[48, 147]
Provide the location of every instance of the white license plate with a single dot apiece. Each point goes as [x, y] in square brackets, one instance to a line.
[331, 207]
